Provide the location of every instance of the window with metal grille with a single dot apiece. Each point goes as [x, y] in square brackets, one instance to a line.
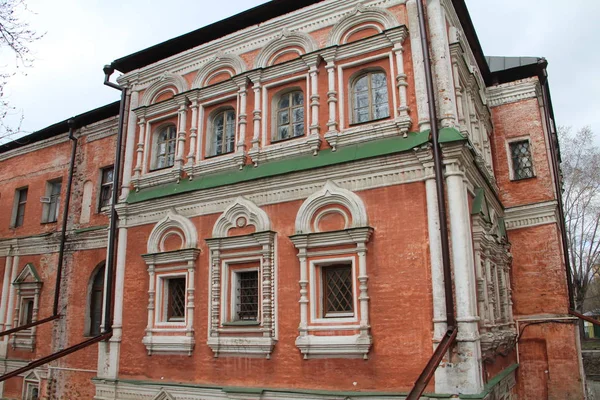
[338, 298]
[51, 201]
[106, 185]
[370, 97]
[246, 300]
[223, 133]
[20, 201]
[290, 116]
[165, 151]
[522, 161]
[175, 299]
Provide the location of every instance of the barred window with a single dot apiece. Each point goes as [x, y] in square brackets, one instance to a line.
[290, 115]
[175, 299]
[370, 97]
[223, 133]
[522, 162]
[246, 301]
[338, 299]
[165, 147]
[106, 186]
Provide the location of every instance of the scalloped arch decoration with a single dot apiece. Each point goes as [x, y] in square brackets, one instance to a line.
[166, 80]
[360, 15]
[221, 61]
[284, 40]
[173, 221]
[331, 194]
[241, 208]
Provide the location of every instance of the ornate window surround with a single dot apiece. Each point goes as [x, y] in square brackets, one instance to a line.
[28, 284]
[246, 340]
[349, 245]
[164, 337]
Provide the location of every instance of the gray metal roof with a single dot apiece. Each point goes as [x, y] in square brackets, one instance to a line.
[503, 63]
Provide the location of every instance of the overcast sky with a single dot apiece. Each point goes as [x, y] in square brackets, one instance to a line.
[83, 35]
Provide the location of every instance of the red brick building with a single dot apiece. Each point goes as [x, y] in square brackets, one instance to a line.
[278, 229]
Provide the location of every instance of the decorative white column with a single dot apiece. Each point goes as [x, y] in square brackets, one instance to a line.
[5, 290]
[332, 124]
[418, 65]
[12, 294]
[191, 289]
[129, 144]
[363, 296]
[303, 328]
[151, 300]
[215, 301]
[191, 157]
[242, 122]
[256, 118]
[181, 122]
[443, 81]
[267, 295]
[402, 119]
[467, 372]
[314, 140]
[140, 147]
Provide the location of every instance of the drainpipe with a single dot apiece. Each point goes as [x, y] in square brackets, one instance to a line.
[112, 230]
[429, 370]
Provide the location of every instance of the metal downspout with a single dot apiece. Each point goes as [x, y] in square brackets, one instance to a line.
[429, 370]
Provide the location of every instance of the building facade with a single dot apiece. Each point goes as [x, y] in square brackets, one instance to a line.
[278, 229]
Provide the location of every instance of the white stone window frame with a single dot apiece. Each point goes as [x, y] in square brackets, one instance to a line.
[230, 303]
[30, 383]
[511, 169]
[154, 126]
[317, 304]
[310, 243]
[171, 337]
[210, 130]
[257, 339]
[26, 338]
[274, 110]
[162, 298]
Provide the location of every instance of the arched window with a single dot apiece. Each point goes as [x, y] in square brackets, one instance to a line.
[222, 139]
[290, 115]
[165, 147]
[95, 304]
[370, 97]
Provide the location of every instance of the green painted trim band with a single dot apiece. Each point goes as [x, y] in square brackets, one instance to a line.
[491, 383]
[324, 158]
[90, 229]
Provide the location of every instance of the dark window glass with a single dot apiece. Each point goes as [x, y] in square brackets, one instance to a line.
[290, 116]
[176, 299]
[247, 296]
[521, 160]
[52, 206]
[370, 97]
[223, 133]
[106, 186]
[337, 290]
[166, 143]
[26, 312]
[96, 302]
[21, 201]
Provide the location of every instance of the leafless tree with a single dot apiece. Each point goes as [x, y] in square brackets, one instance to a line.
[16, 36]
[581, 197]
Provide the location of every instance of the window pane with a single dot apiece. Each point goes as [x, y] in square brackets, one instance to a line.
[284, 117]
[361, 100]
[22, 195]
[176, 299]
[107, 175]
[297, 98]
[361, 115]
[160, 162]
[521, 159]
[337, 290]
[298, 114]
[162, 149]
[298, 130]
[284, 102]
[247, 296]
[378, 80]
[284, 132]
[361, 84]
[381, 111]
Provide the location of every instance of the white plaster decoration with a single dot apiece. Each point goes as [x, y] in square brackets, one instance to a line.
[228, 336]
[181, 134]
[285, 39]
[166, 80]
[530, 215]
[5, 290]
[28, 285]
[240, 147]
[163, 395]
[129, 145]
[191, 157]
[313, 138]
[308, 239]
[512, 92]
[241, 208]
[330, 194]
[140, 148]
[332, 124]
[418, 65]
[12, 294]
[173, 221]
[219, 62]
[402, 118]
[360, 15]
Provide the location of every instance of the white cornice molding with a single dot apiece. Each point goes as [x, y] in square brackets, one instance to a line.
[308, 19]
[531, 215]
[513, 91]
